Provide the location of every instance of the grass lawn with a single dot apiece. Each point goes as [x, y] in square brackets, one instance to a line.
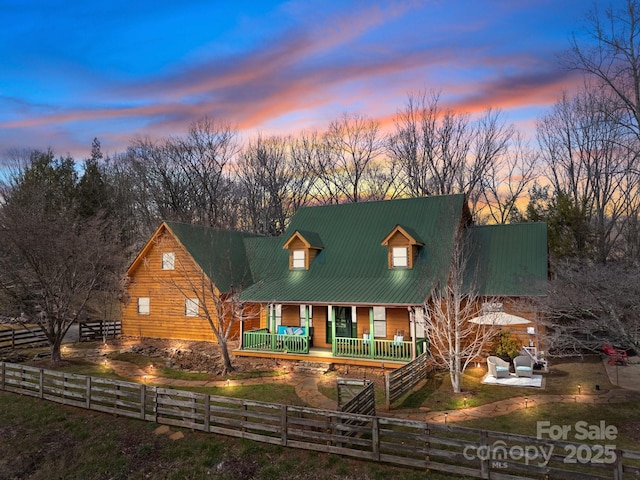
[42, 440]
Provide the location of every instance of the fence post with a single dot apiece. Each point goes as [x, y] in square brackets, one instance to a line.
[387, 392]
[88, 393]
[13, 339]
[484, 462]
[617, 466]
[375, 438]
[284, 426]
[2, 376]
[143, 399]
[207, 412]
[41, 383]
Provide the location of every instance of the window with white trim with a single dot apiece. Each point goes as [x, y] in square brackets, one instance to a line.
[400, 257]
[418, 317]
[191, 307]
[168, 261]
[303, 315]
[143, 305]
[298, 257]
[379, 322]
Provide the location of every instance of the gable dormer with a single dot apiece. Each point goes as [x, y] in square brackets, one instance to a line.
[403, 245]
[303, 248]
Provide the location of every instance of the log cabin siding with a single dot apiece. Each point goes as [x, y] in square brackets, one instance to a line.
[167, 291]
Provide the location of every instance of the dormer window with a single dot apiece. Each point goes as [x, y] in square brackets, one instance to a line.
[400, 257]
[298, 259]
[303, 248]
[403, 245]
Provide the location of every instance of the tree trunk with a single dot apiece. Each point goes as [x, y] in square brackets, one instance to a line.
[226, 359]
[56, 355]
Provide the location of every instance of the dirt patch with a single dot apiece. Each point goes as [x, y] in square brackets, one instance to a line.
[188, 356]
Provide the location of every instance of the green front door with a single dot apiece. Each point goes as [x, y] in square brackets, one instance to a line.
[344, 323]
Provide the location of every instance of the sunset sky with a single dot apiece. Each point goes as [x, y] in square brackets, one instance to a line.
[71, 71]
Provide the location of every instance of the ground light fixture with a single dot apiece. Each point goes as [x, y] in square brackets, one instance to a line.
[579, 389]
[526, 402]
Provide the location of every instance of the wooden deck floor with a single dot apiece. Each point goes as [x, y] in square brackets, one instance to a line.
[321, 355]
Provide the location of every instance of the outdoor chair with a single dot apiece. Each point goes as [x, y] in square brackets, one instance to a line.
[616, 355]
[523, 366]
[498, 367]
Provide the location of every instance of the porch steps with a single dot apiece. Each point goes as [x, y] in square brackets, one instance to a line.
[312, 367]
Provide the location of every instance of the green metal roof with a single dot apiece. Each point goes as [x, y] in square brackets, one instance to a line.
[219, 253]
[509, 260]
[353, 268]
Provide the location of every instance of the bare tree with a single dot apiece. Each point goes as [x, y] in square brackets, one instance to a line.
[593, 303]
[507, 182]
[186, 178]
[441, 152]
[587, 157]
[273, 182]
[611, 55]
[53, 260]
[352, 146]
[454, 341]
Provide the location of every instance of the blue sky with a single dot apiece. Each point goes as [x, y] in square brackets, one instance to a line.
[71, 71]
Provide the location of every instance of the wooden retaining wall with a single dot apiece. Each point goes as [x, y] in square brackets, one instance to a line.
[409, 443]
[403, 379]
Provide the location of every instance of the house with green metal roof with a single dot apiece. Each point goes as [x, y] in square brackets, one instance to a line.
[350, 281]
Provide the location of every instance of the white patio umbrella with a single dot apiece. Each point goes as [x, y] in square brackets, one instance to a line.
[500, 319]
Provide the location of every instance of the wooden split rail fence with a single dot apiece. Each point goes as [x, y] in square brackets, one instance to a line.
[409, 443]
[402, 380]
[98, 330]
[13, 338]
[356, 396]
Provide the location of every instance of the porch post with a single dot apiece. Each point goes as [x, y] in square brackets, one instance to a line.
[272, 325]
[412, 326]
[333, 328]
[306, 314]
[372, 335]
[241, 327]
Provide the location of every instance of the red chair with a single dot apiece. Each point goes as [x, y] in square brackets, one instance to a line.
[616, 355]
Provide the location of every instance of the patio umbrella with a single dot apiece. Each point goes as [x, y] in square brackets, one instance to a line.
[499, 318]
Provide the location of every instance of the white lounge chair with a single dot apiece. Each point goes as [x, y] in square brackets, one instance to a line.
[498, 367]
[523, 366]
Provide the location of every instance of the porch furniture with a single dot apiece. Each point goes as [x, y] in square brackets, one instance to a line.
[523, 366]
[498, 367]
[616, 356]
[398, 338]
[538, 360]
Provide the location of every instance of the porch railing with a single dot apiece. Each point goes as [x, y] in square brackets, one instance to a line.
[272, 342]
[262, 340]
[382, 349]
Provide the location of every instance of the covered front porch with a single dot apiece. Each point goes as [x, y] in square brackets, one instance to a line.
[340, 334]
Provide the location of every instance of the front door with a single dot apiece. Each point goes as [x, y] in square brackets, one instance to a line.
[343, 323]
